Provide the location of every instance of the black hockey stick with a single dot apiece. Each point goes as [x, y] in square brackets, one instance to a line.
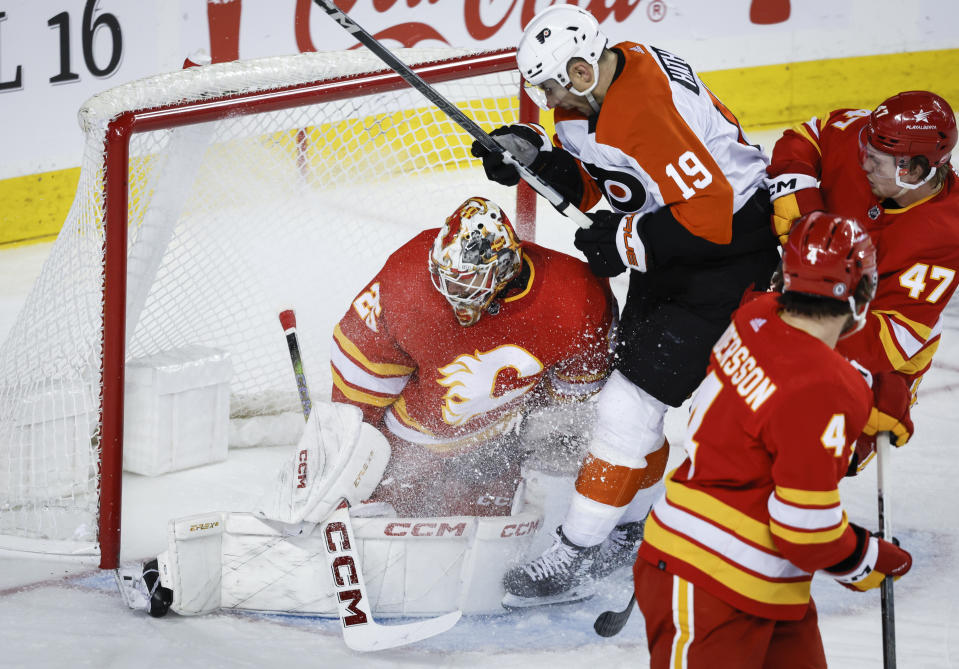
[611, 623]
[885, 529]
[462, 120]
[288, 321]
[360, 631]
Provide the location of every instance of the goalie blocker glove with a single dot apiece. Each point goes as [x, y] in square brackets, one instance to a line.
[612, 243]
[529, 145]
[871, 562]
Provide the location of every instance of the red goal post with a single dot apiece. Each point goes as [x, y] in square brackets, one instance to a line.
[292, 177]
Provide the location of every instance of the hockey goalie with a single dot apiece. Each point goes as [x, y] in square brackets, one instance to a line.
[438, 366]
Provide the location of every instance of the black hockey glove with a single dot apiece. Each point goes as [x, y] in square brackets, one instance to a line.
[524, 141]
[598, 243]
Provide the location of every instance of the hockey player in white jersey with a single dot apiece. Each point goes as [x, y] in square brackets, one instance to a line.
[689, 220]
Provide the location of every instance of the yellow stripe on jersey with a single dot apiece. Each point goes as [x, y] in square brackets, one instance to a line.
[683, 620]
[914, 204]
[921, 330]
[381, 368]
[788, 593]
[731, 519]
[916, 363]
[801, 129]
[529, 284]
[808, 497]
[806, 538]
[920, 361]
[359, 395]
[400, 410]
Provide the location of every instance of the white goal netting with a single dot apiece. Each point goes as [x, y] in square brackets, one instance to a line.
[227, 222]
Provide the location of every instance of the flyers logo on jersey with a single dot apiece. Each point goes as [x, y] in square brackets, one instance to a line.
[484, 381]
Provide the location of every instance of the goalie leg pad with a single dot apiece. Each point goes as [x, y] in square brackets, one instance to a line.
[412, 566]
[338, 457]
[191, 566]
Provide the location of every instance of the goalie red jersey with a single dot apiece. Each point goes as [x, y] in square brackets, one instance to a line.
[402, 356]
[817, 165]
[755, 508]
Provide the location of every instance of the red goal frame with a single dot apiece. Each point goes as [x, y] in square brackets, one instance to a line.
[116, 201]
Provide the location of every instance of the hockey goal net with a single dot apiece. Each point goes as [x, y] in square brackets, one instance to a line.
[209, 199]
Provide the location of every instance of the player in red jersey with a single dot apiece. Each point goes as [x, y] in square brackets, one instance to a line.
[888, 168]
[689, 215]
[436, 365]
[724, 571]
[449, 386]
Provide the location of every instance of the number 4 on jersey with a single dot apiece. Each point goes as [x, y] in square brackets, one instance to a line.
[834, 436]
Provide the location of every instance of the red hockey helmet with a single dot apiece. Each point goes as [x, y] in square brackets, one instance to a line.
[914, 123]
[830, 256]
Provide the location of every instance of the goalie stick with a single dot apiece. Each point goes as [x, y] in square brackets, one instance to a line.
[360, 631]
[288, 321]
[562, 205]
[885, 529]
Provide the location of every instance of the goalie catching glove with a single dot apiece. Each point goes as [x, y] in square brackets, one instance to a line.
[338, 457]
[871, 562]
[890, 413]
[612, 243]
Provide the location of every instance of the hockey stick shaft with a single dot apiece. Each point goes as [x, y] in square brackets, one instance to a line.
[288, 321]
[885, 529]
[465, 122]
[360, 631]
[611, 623]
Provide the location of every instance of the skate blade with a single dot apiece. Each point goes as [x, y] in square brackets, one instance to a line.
[511, 601]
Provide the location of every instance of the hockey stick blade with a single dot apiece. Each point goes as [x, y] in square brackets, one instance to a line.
[360, 631]
[611, 623]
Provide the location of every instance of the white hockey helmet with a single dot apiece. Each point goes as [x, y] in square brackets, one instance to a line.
[555, 36]
[474, 256]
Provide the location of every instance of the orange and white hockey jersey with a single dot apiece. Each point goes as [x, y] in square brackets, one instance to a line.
[755, 508]
[663, 140]
[917, 247]
[401, 356]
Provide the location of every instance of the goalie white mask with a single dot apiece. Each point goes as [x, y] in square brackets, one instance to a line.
[473, 257]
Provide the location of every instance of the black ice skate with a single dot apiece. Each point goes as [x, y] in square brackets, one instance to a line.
[160, 598]
[620, 548]
[561, 574]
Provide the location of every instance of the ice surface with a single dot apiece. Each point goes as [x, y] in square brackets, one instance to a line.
[55, 614]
